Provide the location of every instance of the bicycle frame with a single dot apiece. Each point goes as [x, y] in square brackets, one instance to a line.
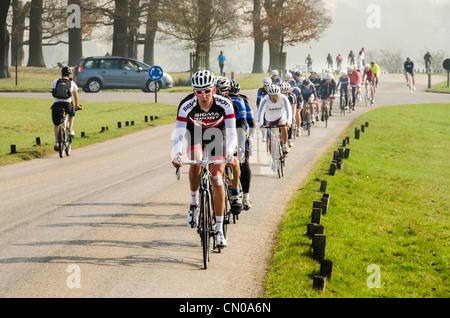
[277, 153]
[65, 140]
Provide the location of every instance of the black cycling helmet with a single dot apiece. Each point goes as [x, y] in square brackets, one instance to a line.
[66, 71]
[306, 82]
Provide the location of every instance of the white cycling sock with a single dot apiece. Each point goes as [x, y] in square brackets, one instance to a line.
[219, 223]
[194, 197]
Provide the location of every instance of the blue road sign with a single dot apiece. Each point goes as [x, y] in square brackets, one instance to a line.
[155, 73]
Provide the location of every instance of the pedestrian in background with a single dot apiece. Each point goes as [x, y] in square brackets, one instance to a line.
[221, 59]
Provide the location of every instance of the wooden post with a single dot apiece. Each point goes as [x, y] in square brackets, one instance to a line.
[346, 153]
[316, 214]
[151, 118]
[146, 119]
[367, 124]
[326, 267]
[319, 241]
[132, 123]
[348, 140]
[314, 228]
[340, 164]
[362, 128]
[357, 133]
[323, 186]
[119, 124]
[13, 149]
[332, 169]
[83, 134]
[319, 283]
[344, 142]
[38, 141]
[325, 201]
[341, 153]
[335, 155]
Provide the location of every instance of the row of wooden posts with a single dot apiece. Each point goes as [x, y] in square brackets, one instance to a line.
[83, 134]
[315, 229]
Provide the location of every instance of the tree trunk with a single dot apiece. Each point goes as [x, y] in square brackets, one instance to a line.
[36, 56]
[133, 22]
[120, 27]
[75, 40]
[4, 39]
[258, 44]
[17, 32]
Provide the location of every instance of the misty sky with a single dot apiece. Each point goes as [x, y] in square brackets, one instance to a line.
[408, 25]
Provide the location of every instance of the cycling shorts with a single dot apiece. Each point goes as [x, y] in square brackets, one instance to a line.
[306, 99]
[411, 71]
[58, 110]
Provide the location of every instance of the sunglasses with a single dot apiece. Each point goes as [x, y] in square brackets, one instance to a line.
[201, 92]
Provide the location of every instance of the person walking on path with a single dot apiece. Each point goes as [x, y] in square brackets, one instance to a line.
[221, 59]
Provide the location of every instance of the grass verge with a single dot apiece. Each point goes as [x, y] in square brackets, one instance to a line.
[440, 88]
[389, 206]
[22, 120]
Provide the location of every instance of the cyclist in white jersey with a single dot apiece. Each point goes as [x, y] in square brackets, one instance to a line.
[275, 109]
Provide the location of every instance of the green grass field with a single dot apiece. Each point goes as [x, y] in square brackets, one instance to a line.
[22, 120]
[389, 206]
[440, 88]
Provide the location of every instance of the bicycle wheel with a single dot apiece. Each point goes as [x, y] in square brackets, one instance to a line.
[69, 145]
[61, 137]
[205, 227]
[326, 115]
[308, 123]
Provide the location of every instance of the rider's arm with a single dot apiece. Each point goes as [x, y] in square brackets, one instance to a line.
[288, 108]
[261, 111]
[230, 128]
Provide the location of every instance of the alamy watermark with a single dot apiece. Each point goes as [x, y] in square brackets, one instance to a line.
[74, 18]
[374, 279]
[74, 279]
[374, 18]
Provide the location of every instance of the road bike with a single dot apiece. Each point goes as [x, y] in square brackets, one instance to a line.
[307, 118]
[206, 217]
[368, 94]
[410, 84]
[278, 155]
[343, 101]
[65, 139]
[326, 113]
[228, 215]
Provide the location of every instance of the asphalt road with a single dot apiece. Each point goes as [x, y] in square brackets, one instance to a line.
[112, 216]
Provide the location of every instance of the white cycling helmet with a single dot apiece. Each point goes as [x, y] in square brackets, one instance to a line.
[327, 76]
[273, 90]
[267, 81]
[349, 69]
[284, 87]
[343, 73]
[366, 66]
[274, 72]
[288, 76]
[222, 84]
[203, 79]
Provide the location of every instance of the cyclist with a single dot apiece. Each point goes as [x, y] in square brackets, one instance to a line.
[339, 60]
[327, 92]
[427, 58]
[309, 62]
[274, 110]
[315, 81]
[275, 78]
[370, 79]
[207, 120]
[344, 83]
[355, 80]
[376, 70]
[329, 61]
[351, 58]
[286, 90]
[246, 172]
[309, 96]
[409, 71]
[63, 90]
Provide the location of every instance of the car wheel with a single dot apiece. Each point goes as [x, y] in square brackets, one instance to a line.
[93, 85]
[153, 86]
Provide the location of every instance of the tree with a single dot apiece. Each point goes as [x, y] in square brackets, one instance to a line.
[17, 30]
[199, 23]
[290, 22]
[257, 38]
[4, 39]
[36, 56]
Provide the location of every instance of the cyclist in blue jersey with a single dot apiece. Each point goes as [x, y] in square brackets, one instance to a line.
[275, 78]
[267, 81]
[246, 173]
[223, 87]
[315, 81]
[343, 86]
[309, 96]
[409, 71]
